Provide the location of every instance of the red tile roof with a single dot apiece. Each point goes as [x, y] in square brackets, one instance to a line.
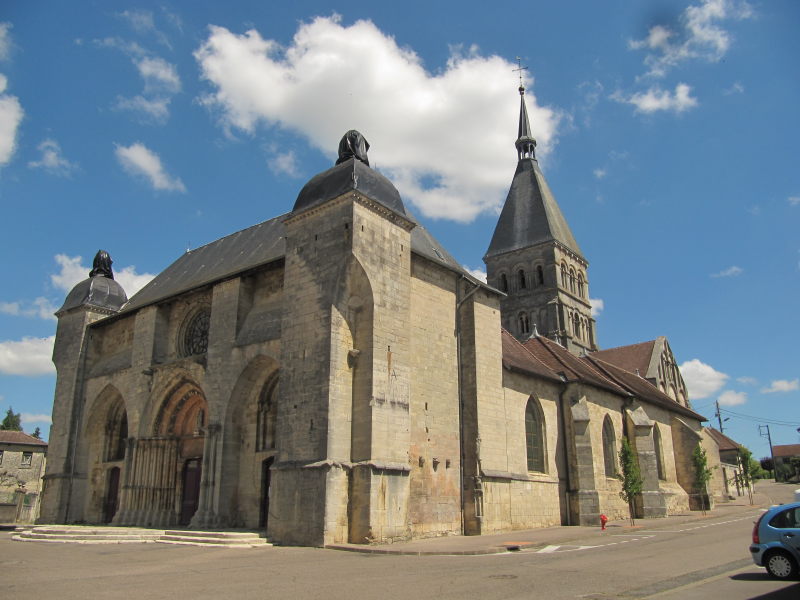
[786, 450]
[630, 358]
[518, 357]
[18, 437]
[723, 441]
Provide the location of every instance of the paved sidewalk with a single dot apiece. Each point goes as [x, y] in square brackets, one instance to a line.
[531, 539]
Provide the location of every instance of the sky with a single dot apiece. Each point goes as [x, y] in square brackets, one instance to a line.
[666, 130]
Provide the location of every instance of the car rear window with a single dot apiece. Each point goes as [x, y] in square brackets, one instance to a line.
[786, 519]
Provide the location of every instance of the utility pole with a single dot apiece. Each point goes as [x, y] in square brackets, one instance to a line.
[761, 429]
[719, 417]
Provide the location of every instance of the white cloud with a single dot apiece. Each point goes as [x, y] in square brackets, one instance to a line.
[72, 272]
[701, 379]
[736, 88]
[732, 271]
[284, 163]
[794, 200]
[656, 99]
[5, 41]
[31, 418]
[52, 160]
[41, 308]
[782, 385]
[479, 274]
[11, 114]
[159, 75]
[138, 160]
[747, 380]
[156, 109]
[143, 23]
[731, 398]
[699, 36]
[422, 126]
[597, 306]
[28, 356]
[599, 173]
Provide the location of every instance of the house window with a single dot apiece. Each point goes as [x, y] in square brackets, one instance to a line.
[659, 452]
[27, 457]
[534, 436]
[609, 448]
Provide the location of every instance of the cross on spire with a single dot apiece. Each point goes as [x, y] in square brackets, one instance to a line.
[520, 69]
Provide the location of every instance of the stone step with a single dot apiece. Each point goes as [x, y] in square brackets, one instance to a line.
[215, 534]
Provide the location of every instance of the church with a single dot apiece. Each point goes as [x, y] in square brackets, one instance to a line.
[334, 375]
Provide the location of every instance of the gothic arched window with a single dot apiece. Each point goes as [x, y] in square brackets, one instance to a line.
[503, 283]
[535, 436]
[267, 415]
[581, 286]
[521, 279]
[564, 276]
[659, 452]
[195, 333]
[572, 280]
[609, 448]
[539, 275]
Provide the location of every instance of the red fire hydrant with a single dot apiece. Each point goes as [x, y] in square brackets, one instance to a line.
[603, 521]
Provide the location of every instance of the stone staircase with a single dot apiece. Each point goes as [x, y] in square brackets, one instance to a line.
[90, 534]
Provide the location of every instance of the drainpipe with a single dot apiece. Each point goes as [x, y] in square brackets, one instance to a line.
[459, 302]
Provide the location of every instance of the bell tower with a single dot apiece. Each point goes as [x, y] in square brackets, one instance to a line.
[534, 259]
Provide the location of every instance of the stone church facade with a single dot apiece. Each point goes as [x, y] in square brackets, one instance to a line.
[334, 375]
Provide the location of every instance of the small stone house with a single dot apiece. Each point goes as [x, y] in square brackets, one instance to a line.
[22, 466]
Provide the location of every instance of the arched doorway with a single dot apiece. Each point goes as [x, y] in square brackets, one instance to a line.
[266, 474]
[190, 496]
[111, 503]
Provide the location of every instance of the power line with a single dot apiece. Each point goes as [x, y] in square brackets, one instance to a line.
[761, 419]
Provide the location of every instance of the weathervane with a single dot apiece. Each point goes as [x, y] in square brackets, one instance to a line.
[520, 69]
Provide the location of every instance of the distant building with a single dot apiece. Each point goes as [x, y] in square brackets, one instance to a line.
[784, 469]
[22, 465]
[335, 375]
[726, 481]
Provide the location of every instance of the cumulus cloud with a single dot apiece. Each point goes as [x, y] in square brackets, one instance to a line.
[782, 385]
[736, 88]
[41, 308]
[656, 99]
[11, 114]
[32, 418]
[597, 306]
[138, 160]
[731, 398]
[5, 40]
[599, 173]
[52, 160]
[479, 274]
[156, 109]
[72, 271]
[747, 380]
[699, 35]
[28, 356]
[794, 200]
[701, 379]
[732, 271]
[284, 163]
[158, 75]
[422, 126]
[143, 22]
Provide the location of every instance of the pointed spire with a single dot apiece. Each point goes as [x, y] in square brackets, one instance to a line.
[526, 144]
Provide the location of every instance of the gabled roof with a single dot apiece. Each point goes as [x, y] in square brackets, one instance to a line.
[530, 215]
[639, 387]
[560, 360]
[723, 441]
[631, 358]
[786, 450]
[19, 437]
[517, 357]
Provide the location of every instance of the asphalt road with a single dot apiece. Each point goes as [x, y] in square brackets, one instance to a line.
[706, 559]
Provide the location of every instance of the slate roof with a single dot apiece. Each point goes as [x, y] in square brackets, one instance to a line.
[98, 291]
[253, 247]
[723, 441]
[786, 450]
[630, 358]
[20, 438]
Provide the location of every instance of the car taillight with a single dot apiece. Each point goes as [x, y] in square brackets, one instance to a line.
[755, 529]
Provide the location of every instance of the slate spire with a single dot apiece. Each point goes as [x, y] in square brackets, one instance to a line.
[526, 143]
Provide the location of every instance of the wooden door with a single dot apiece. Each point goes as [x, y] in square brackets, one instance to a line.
[112, 496]
[192, 471]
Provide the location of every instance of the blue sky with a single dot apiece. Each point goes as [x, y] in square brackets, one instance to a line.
[667, 131]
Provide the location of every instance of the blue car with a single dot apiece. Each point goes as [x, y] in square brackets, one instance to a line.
[776, 541]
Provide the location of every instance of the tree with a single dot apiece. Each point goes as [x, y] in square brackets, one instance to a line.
[12, 422]
[767, 465]
[746, 459]
[702, 475]
[37, 433]
[631, 477]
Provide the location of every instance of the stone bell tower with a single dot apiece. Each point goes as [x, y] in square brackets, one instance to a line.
[343, 421]
[534, 258]
[92, 299]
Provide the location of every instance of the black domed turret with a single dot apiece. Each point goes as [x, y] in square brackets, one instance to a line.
[351, 172]
[99, 290]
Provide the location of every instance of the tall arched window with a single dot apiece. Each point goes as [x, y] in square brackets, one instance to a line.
[572, 280]
[267, 415]
[564, 276]
[576, 325]
[524, 324]
[503, 283]
[609, 448]
[659, 452]
[581, 285]
[539, 275]
[534, 436]
[521, 279]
